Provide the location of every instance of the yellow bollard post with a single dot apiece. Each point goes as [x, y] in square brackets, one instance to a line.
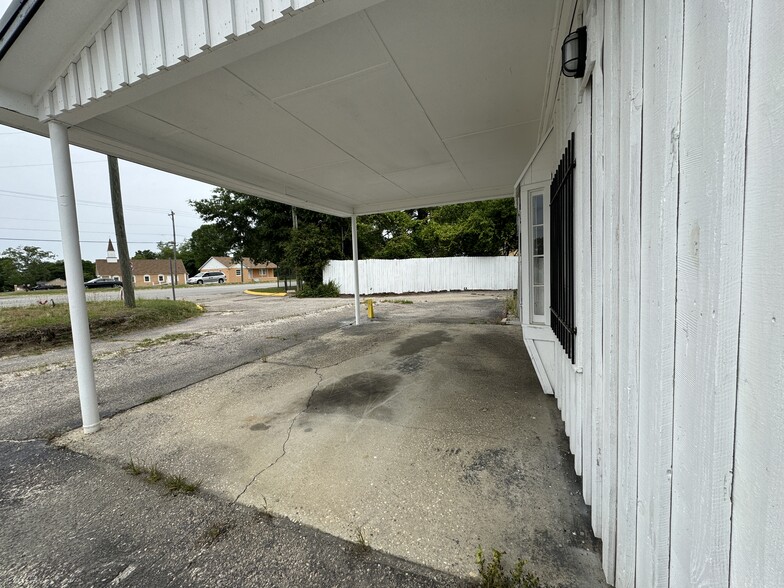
[369, 302]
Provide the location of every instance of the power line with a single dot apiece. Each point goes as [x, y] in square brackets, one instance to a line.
[80, 241]
[32, 196]
[161, 234]
[40, 220]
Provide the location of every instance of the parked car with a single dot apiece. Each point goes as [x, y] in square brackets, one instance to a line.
[207, 278]
[45, 286]
[103, 283]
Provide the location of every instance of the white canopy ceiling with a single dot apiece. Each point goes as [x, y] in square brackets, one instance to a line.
[344, 106]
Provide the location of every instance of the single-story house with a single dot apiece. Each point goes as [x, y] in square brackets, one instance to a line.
[146, 272]
[240, 271]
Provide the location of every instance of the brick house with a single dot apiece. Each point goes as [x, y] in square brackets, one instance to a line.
[238, 272]
[146, 272]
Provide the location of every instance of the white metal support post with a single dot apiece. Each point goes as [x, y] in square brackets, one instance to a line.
[355, 252]
[72, 255]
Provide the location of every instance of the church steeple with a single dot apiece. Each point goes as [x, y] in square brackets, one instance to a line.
[111, 256]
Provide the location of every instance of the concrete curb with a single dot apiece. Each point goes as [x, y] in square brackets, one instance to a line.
[252, 293]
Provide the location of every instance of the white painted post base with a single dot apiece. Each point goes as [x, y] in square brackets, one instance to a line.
[72, 255]
[355, 254]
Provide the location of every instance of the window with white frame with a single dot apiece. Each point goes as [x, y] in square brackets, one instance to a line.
[237, 272]
[133, 279]
[160, 278]
[536, 219]
[262, 272]
[146, 278]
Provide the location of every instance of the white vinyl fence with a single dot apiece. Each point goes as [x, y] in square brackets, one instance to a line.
[425, 274]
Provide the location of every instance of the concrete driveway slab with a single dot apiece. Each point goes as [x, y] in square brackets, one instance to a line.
[429, 436]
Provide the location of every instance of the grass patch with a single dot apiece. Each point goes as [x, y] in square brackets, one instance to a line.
[399, 301]
[154, 475]
[134, 468]
[174, 484]
[180, 485]
[147, 343]
[35, 328]
[493, 575]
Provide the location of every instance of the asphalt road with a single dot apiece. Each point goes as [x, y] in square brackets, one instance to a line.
[198, 294]
[71, 520]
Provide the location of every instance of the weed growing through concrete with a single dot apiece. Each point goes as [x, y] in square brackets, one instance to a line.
[180, 485]
[493, 575]
[147, 343]
[133, 468]
[361, 541]
[154, 475]
[175, 484]
[511, 304]
[399, 301]
[214, 532]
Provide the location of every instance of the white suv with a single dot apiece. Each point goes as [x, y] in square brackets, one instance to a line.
[207, 278]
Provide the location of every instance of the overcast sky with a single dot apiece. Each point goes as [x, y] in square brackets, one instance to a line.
[28, 208]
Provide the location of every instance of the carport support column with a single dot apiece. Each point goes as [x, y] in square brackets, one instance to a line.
[355, 254]
[74, 275]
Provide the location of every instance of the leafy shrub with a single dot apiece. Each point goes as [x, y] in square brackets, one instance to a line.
[328, 290]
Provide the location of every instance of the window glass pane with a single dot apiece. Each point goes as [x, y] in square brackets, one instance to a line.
[538, 271]
[539, 300]
[536, 204]
[539, 240]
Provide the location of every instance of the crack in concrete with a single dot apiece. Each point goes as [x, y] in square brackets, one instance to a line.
[20, 441]
[288, 433]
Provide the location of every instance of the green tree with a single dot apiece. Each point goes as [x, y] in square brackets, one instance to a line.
[145, 254]
[29, 262]
[205, 242]
[250, 226]
[309, 249]
[9, 276]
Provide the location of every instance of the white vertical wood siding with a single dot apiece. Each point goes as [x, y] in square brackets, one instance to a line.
[425, 275]
[142, 37]
[758, 492]
[674, 405]
[660, 176]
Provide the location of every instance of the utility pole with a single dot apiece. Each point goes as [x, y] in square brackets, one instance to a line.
[129, 295]
[173, 262]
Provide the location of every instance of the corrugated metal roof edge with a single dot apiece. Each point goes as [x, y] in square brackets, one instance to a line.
[14, 21]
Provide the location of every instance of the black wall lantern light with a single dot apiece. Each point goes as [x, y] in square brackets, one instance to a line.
[573, 52]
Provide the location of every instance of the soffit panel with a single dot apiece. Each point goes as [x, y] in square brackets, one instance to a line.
[373, 117]
[441, 178]
[320, 56]
[355, 180]
[494, 158]
[474, 65]
[210, 158]
[224, 110]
